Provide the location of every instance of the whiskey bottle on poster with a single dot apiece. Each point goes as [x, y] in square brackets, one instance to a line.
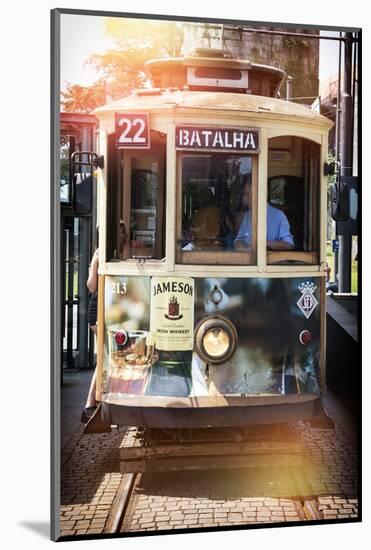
[171, 321]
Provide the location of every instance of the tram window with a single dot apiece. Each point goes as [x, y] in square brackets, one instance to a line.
[145, 233]
[293, 190]
[136, 206]
[212, 207]
[218, 73]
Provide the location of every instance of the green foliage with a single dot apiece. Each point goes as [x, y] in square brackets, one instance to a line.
[151, 38]
[83, 99]
[138, 41]
[122, 69]
[330, 182]
[330, 160]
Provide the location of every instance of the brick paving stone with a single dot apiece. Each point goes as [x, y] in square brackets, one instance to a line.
[235, 517]
[191, 521]
[249, 515]
[90, 480]
[82, 524]
[176, 515]
[146, 523]
[67, 525]
[329, 515]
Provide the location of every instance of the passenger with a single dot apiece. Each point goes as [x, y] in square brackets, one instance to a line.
[92, 284]
[278, 227]
[205, 225]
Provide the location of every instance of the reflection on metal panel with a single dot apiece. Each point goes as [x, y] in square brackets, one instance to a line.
[272, 356]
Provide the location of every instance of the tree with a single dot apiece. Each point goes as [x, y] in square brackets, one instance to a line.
[123, 69]
[83, 99]
[156, 38]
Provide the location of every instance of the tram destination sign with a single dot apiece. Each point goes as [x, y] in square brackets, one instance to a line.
[220, 139]
[132, 131]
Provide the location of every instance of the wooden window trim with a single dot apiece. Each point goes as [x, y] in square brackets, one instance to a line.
[218, 257]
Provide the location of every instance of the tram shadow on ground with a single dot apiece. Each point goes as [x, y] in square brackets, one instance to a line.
[92, 479]
[323, 464]
[226, 484]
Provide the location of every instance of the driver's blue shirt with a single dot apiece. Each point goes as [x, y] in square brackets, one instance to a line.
[278, 227]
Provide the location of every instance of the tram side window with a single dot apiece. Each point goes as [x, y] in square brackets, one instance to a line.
[212, 208]
[136, 209]
[293, 200]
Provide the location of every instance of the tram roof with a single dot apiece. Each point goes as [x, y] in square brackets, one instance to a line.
[152, 99]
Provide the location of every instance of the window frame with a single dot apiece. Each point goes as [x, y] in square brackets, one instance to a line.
[125, 160]
[311, 176]
[209, 258]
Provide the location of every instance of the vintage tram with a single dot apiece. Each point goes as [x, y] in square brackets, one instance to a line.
[212, 203]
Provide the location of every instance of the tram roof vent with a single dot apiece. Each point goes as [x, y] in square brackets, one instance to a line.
[215, 70]
[211, 52]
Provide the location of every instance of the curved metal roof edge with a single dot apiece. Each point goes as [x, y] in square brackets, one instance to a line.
[234, 62]
[172, 100]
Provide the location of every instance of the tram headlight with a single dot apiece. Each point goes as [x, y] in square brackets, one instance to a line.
[215, 340]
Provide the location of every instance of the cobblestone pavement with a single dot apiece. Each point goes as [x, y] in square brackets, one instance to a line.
[178, 500]
[90, 478]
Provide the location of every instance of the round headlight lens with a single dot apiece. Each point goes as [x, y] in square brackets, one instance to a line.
[215, 339]
[216, 342]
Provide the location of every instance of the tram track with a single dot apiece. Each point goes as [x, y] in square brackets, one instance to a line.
[121, 503]
[303, 500]
[306, 503]
[119, 519]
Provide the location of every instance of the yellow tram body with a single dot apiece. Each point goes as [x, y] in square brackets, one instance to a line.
[292, 142]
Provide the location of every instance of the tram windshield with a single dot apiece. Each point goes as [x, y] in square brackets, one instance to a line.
[214, 205]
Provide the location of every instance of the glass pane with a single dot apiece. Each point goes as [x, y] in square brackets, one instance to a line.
[293, 201]
[66, 148]
[144, 205]
[277, 192]
[217, 205]
[136, 214]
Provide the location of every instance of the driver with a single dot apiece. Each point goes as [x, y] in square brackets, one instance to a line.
[278, 227]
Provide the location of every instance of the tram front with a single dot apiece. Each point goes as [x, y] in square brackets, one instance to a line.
[212, 218]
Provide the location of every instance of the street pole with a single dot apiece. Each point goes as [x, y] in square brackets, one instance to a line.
[337, 156]
[346, 148]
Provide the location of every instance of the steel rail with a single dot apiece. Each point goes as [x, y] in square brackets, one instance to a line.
[120, 504]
